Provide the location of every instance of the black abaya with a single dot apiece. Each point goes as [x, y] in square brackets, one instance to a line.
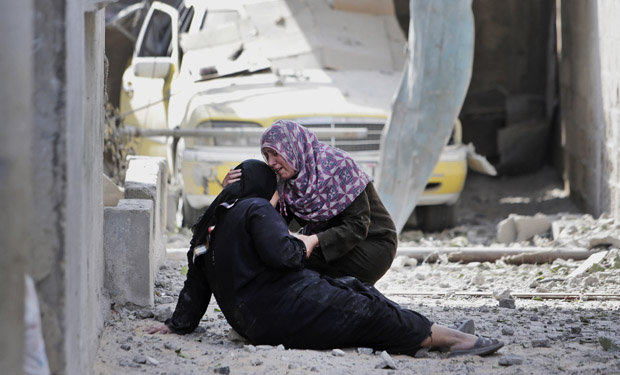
[255, 270]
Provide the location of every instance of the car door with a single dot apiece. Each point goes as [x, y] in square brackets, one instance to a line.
[146, 82]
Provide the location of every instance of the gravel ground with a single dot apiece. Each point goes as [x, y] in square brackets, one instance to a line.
[577, 335]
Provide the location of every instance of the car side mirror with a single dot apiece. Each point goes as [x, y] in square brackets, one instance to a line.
[152, 67]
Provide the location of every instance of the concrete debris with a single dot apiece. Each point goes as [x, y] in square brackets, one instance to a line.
[608, 344]
[595, 258]
[517, 228]
[510, 360]
[111, 192]
[387, 361]
[479, 163]
[234, 336]
[365, 350]
[500, 295]
[162, 313]
[541, 343]
[585, 231]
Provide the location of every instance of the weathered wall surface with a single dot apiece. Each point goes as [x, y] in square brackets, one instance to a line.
[66, 157]
[15, 201]
[510, 59]
[590, 103]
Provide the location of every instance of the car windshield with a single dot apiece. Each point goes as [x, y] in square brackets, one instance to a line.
[217, 27]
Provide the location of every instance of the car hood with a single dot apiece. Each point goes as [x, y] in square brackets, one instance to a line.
[287, 94]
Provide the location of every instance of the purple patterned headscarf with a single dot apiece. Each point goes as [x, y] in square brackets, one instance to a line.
[328, 179]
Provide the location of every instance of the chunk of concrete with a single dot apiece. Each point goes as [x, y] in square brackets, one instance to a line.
[529, 226]
[522, 228]
[147, 178]
[129, 262]
[506, 230]
[111, 192]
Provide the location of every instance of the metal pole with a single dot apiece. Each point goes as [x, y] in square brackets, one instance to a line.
[133, 131]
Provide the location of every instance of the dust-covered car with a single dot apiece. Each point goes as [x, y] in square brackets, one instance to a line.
[232, 68]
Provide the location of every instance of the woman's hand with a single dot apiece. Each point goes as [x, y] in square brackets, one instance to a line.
[158, 329]
[310, 241]
[233, 175]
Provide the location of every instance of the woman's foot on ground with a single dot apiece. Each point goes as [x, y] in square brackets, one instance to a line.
[482, 346]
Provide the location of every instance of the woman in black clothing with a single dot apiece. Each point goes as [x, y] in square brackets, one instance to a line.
[243, 254]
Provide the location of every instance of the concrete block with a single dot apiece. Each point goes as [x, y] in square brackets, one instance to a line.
[147, 178]
[520, 228]
[529, 226]
[129, 261]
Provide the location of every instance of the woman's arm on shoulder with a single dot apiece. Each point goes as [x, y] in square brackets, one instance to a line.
[275, 245]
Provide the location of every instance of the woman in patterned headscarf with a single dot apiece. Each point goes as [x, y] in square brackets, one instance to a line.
[327, 192]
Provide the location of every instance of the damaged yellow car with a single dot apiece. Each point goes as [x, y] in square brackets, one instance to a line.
[230, 69]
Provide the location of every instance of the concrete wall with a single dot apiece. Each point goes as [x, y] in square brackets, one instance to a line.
[590, 103]
[67, 263]
[15, 186]
[511, 51]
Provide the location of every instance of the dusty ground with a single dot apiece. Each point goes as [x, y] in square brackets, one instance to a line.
[542, 336]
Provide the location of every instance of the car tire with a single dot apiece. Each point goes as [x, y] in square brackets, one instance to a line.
[437, 218]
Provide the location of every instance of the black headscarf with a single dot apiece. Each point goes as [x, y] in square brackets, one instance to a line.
[257, 181]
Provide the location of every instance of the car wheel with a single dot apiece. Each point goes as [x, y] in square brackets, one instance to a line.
[437, 218]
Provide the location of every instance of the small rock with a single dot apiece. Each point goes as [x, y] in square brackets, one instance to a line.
[575, 330]
[222, 370]
[126, 347]
[541, 343]
[170, 346]
[166, 299]
[399, 262]
[608, 344]
[507, 303]
[444, 285]
[507, 331]
[200, 329]
[280, 347]
[292, 366]
[500, 295]
[365, 350]
[249, 348]
[478, 280]
[534, 318]
[510, 359]
[139, 359]
[337, 353]
[162, 313]
[264, 347]
[234, 336]
[256, 362]
[314, 369]
[387, 361]
[422, 353]
[145, 314]
[590, 281]
[151, 361]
